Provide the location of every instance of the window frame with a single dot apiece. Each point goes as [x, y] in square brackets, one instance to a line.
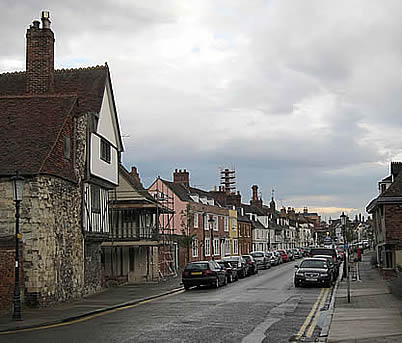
[105, 151]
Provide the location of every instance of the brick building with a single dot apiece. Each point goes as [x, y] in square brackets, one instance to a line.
[60, 131]
[200, 224]
[386, 209]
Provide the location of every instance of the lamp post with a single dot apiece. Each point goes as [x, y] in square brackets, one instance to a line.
[211, 222]
[346, 254]
[18, 189]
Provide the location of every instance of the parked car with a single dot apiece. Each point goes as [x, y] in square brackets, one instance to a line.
[324, 251]
[274, 258]
[252, 264]
[297, 253]
[284, 255]
[262, 258]
[290, 254]
[313, 271]
[231, 272]
[334, 267]
[203, 273]
[239, 263]
[278, 257]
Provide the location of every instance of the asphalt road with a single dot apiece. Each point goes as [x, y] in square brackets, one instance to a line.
[262, 308]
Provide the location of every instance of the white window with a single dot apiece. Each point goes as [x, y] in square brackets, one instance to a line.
[234, 223]
[235, 247]
[206, 224]
[207, 247]
[194, 247]
[226, 220]
[216, 246]
[227, 246]
[215, 223]
[195, 220]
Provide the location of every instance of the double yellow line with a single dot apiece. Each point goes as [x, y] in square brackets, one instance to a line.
[83, 319]
[313, 315]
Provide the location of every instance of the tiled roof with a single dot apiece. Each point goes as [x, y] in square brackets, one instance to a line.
[29, 129]
[137, 186]
[179, 190]
[31, 124]
[395, 189]
[86, 83]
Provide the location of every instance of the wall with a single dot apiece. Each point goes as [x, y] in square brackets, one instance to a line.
[393, 220]
[7, 272]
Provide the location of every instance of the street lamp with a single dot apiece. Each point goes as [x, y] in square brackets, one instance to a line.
[211, 221]
[18, 190]
[346, 254]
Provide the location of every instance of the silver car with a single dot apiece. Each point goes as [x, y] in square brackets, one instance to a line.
[262, 258]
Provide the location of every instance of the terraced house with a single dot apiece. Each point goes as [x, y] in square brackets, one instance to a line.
[200, 224]
[60, 130]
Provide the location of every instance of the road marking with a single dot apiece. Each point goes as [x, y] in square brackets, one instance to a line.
[317, 314]
[310, 315]
[83, 319]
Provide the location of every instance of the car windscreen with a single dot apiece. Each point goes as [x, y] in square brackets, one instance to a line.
[247, 258]
[197, 266]
[313, 264]
[257, 254]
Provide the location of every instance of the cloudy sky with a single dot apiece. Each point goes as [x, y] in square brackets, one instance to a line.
[304, 97]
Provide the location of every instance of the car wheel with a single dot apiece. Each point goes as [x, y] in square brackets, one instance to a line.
[225, 281]
[217, 282]
[297, 284]
[230, 278]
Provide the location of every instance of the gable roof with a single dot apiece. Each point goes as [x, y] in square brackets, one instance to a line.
[29, 129]
[143, 194]
[32, 122]
[395, 189]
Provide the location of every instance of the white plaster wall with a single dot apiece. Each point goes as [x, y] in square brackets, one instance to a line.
[100, 168]
[106, 124]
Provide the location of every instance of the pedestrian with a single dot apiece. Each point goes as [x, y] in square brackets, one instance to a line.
[359, 254]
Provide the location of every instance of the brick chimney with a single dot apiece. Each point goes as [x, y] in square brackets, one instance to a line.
[182, 177]
[255, 201]
[135, 175]
[40, 57]
[396, 168]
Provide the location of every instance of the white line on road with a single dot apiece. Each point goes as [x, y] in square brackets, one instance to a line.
[275, 315]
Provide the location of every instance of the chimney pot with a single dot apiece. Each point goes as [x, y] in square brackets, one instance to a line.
[45, 20]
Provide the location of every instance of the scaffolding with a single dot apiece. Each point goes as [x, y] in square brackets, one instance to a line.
[167, 262]
[228, 180]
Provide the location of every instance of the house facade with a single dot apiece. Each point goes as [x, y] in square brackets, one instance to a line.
[130, 254]
[60, 131]
[386, 210]
[200, 224]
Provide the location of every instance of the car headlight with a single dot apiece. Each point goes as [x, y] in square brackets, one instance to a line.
[299, 273]
[324, 274]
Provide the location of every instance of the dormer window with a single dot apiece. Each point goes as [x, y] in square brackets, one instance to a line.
[105, 149]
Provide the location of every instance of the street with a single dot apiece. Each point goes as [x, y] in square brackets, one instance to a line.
[262, 308]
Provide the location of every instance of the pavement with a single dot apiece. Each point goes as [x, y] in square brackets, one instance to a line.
[108, 299]
[373, 314]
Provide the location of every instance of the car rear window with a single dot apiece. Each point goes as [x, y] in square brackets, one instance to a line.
[197, 266]
[313, 264]
[315, 251]
[257, 254]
